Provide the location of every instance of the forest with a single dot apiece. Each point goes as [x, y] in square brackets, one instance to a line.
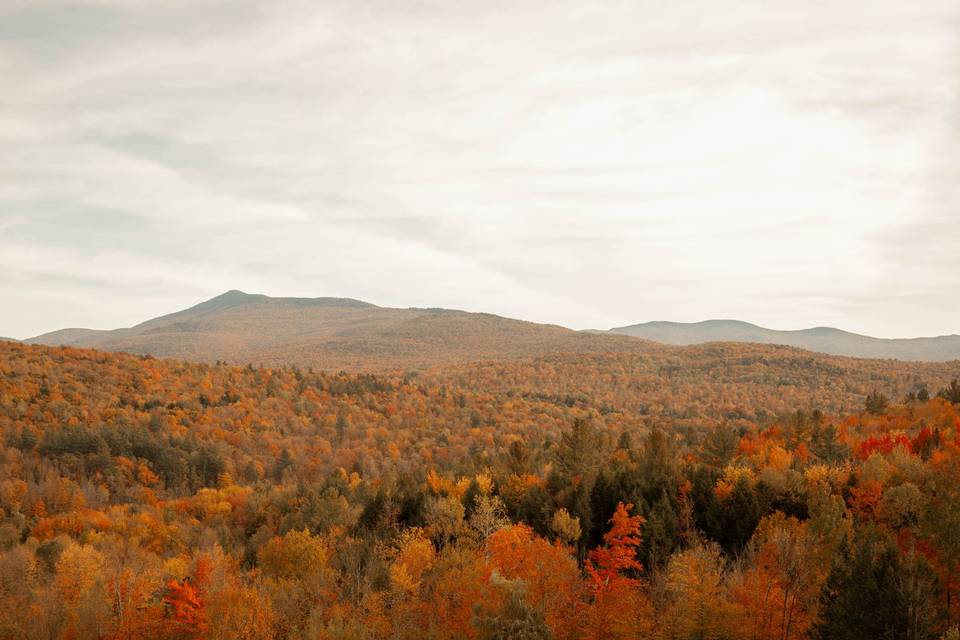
[737, 493]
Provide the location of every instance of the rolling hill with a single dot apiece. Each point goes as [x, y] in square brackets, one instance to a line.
[277, 491]
[343, 333]
[336, 333]
[821, 339]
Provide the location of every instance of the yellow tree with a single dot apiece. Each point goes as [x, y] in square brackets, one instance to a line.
[298, 576]
[413, 557]
[698, 609]
[79, 584]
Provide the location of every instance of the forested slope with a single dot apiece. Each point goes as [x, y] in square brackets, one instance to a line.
[146, 498]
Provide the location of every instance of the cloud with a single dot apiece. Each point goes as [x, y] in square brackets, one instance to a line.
[582, 163]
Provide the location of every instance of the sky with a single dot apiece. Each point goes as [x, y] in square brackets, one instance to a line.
[580, 162]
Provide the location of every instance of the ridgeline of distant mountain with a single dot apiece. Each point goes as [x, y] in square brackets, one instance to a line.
[337, 333]
[822, 339]
[343, 333]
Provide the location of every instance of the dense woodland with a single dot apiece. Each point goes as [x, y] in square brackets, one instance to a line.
[741, 493]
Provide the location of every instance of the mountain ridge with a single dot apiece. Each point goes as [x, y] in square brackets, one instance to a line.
[829, 340]
[334, 333]
[330, 332]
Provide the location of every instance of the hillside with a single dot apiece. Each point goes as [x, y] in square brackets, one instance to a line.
[699, 384]
[820, 339]
[343, 333]
[151, 499]
[335, 333]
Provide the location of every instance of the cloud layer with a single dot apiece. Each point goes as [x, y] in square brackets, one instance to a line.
[590, 164]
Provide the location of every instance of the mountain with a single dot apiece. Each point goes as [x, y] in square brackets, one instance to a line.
[343, 333]
[5, 339]
[822, 339]
[336, 333]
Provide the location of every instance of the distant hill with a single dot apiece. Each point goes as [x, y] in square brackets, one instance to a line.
[822, 339]
[3, 338]
[336, 333]
[343, 333]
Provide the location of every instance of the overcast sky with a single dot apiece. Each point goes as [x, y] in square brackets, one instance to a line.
[588, 163]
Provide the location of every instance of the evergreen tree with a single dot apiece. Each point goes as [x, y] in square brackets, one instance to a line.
[870, 593]
[951, 393]
[660, 532]
[876, 403]
[720, 446]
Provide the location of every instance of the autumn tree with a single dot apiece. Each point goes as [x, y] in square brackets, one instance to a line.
[777, 596]
[516, 619]
[618, 607]
[549, 573]
[300, 578]
[698, 605]
[187, 618]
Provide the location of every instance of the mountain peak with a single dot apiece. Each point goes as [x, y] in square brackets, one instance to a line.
[234, 293]
[724, 322]
[231, 298]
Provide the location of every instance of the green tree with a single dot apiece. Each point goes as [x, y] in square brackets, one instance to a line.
[578, 458]
[951, 393]
[876, 403]
[824, 444]
[720, 446]
[870, 593]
